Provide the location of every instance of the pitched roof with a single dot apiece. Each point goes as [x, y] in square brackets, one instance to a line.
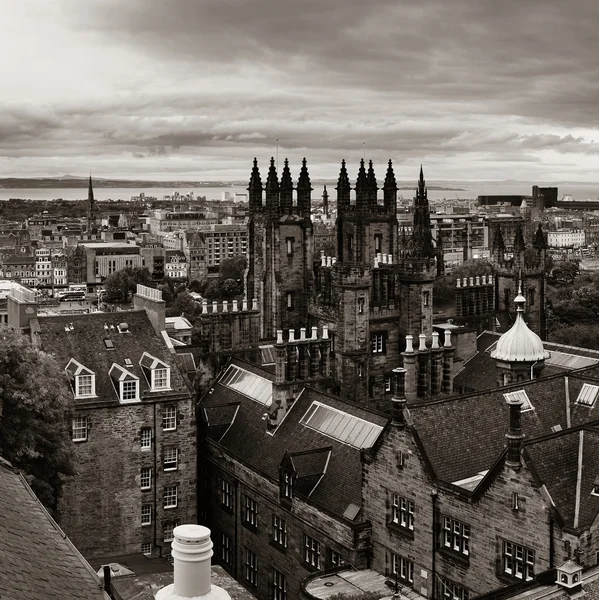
[565, 462]
[247, 439]
[464, 435]
[86, 343]
[37, 561]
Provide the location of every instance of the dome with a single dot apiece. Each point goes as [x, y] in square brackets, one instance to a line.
[519, 343]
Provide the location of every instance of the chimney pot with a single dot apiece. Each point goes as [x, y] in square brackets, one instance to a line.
[204, 306]
[447, 343]
[214, 306]
[292, 335]
[323, 259]
[329, 262]
[435, 340]
[279, 336]
[254, 304]
[315, 333]
[478, 280]
[325, 332]
[465, 282]
[225, 306]
[409, 340]
[235, 306]
[333, 260]
[422, 339]
[302, 334]
[471, 280]
[244, 304]
[390, 259]
[458, 281]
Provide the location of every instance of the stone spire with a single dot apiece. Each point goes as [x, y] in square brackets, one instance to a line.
[325, 201]
[498, 244]
[343, 188]
[361, 185]
[519, 243]
[304, 187]
[540, 243]
[372, 184]
[422, 241]
[286, 196]
[255, 188]
[91, 205]
[272, 188]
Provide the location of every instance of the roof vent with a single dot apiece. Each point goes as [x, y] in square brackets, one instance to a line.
[123, 328]
[569, 576]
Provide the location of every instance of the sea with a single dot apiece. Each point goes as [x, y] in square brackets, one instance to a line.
[452, 190]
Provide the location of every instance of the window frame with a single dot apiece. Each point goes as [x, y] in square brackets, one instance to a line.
[92, 385]
[168, 495]
[167, 379]
[378, 342]
[250, 512]
[279, 585]
[520, 567]
[402, 512]
[311, 552]
[403, 568]
[456, 536]
[166, 419]
[147, 513]
[168, 529]
[170, 461]
[144, 443]
[145, 474]
[148, 547]
[279, 530]
[125, 394]
[76, 428]
[250, 566]
[226, 494]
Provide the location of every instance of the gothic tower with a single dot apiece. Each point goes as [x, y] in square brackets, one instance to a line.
[418, 268]
[281, 247]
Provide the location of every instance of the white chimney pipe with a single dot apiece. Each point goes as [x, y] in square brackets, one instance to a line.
[279, 336]
[192, 550]
[422, 338]
[447, 343]
[244, 304]
[254, 304]
[225, 306]
[435, 340]
[302, 334]
[292, 335]
[409, 340]
[235, 308]
[325, 332]
[314, 332]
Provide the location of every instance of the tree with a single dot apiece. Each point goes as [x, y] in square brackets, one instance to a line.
[584, 336]
[35, 412]
[185, 305]
[567, 270]
[472, 268]
[120, 284]
[232, 268]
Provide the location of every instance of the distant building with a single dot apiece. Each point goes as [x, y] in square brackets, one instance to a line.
[566, 238]
[175, 265]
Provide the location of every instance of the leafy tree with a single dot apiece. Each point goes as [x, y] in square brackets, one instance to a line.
[185, 305]
[120, 284]
[232, 268]
[229, 289]
[585, 336]
[567, 270]
[472, 268]
[167, 293]
[197, 286]
[213, 290]
[35, 412]
[443, 291]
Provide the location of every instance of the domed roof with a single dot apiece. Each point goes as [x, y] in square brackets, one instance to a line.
[519, 343]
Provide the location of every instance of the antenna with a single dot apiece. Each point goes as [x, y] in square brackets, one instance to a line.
[277, 153]
[364, 150]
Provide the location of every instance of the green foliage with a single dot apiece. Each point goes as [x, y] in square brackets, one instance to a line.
[585, 336]
[362, 596]
[120, 284]
[35, 411]
[444, 291]
[184, 305]
[232, 268]
[567, 270]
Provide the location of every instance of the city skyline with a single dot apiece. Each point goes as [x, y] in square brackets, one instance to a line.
[195, 90]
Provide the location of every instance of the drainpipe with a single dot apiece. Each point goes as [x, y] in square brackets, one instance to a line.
[551, 543]
[434, 497]
[155, 448]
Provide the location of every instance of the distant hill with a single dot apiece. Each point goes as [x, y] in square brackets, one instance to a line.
[71, 181]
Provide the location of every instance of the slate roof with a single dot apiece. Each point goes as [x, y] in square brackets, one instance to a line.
[556, 462]
[37, 561]
[86, 344]
[247, 439]
[464, 435]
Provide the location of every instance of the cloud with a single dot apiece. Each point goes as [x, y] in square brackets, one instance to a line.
[201, 86]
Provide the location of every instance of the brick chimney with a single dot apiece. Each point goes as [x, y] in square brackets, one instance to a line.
[151, 300]
[515, 435]
[192, 550]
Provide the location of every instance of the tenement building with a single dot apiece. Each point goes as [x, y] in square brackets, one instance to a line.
[133, 428]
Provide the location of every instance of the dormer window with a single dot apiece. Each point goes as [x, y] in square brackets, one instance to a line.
[157, 372]
[287, 485]
[125, 383]
[83, 379]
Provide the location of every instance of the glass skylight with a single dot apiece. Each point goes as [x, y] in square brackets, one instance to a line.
[341, 426]
[587, 395]
[519, 395]
[569, 361]
[249, 384]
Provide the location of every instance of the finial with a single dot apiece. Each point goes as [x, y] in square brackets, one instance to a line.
[421, 174]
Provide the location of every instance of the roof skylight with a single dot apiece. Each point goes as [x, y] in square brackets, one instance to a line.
[522, 396]
[569, 361]
[341, 426]
[588, 395]
[249, 384]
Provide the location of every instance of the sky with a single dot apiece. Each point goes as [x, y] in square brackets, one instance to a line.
[195, 89]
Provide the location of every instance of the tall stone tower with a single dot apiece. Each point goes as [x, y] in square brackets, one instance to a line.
[417, 270]
[91, 206]
[281, 246]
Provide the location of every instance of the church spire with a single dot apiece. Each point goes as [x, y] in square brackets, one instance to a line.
[286, 197]
[325, 201]
[91, 205]
[304, 187]
[372, 184]
[272, 188]
[390, 188]
[422, 240]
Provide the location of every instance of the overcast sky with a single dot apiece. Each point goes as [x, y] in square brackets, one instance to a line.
[194, 89]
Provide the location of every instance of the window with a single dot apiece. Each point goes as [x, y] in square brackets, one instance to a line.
[169, 418]
[84, 386]
[279, 531]
[448, 590]
[403, 568]
[378, 243]
[287, 485]
[226, 554]
[456, 536]
[378, 343]
[335, 559]
[279, 585]
[250, 515]
[79, 426]
[522, 396]
[168, 530]
[402, 512]
[361, 303]
[145, 480]
[311, 551]
[515, 501]
[170, 496]
[289, 245]
[146, 514]
[426, 298]
[145, 438]
[129, 390]
[387, 383]
[587, 395]
[161, 379]
[146, 549]
[289, 301]
[227, 497]
[518, 561]
[170, 459]
[251, 567]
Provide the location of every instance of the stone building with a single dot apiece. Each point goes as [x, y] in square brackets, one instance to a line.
[133, 429]
[377, 289]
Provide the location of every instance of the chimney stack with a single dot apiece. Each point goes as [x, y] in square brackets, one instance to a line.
[192, 550]
[515, 435]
